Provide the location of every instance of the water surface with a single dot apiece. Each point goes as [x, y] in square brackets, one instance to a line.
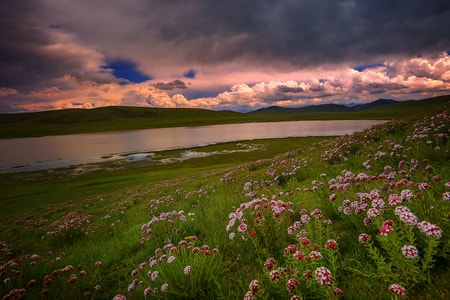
[40, 153]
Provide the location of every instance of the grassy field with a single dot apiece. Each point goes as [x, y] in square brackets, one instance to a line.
[364, 216]
[130, 118]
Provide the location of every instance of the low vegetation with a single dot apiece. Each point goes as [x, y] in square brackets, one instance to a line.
[363, 216]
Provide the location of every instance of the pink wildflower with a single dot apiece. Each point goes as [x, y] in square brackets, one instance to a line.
[242, 227]
[410, 251]
[154, 275]
[406, 195]
[254, 286]
[290, 249]
[446, 196]
[331, 244]
[394, 199]
[249, 295]
[164, 287]
[363, 237]
[291, 284]
[269, 263]
[274, 275]
[323, 276]
[119, 297]
[72, 278]
[373, 212]
[386, 228]
[430, 229]
[397, 289]
[299, 255]
[315, 255]
[187, 270]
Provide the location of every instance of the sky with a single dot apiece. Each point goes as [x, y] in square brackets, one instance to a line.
[236, 55]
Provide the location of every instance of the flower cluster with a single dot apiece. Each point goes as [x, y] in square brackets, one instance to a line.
[166, 255]
[169, 218]
[258, 210]
[70, 224]
[410, 251]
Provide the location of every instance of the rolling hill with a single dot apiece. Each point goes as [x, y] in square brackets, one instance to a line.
[115, 118]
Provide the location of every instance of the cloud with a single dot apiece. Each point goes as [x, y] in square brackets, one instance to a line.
[176, 84]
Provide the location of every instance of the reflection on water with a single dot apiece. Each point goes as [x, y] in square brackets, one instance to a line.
[27, 154]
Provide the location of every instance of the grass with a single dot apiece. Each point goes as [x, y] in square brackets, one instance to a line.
[268, 224]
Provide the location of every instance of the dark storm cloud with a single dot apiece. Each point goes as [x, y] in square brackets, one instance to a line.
[265, 33]
[167, 86]
[34, 53]
[301, 32]
[288, 89]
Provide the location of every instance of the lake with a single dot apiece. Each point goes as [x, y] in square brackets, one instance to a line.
[41, 153]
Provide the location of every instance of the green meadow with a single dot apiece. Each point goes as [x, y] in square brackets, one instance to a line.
[352, 217]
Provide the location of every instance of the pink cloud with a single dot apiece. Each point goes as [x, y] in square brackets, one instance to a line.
[400, 79]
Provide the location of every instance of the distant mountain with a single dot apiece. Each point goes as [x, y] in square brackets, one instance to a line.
[324, 108]
[376, 103]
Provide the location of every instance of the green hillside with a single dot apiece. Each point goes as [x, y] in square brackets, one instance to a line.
[116, 118]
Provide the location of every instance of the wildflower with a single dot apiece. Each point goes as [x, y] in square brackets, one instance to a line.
[253, 233]
[231, 236]
[72, 278]
[397, 289]
[187, 270]
[290, 249]
[430, 229]
[446, 196]
[337, 291]
[31, 283]
[274, 275]
[305, 219]
[147, 291]
[386, 228]
[269, 263]
[323, 276]
[164, 287]
[363, 237]
[171, 259]
[98, 264]
[307, 274]
[249, 295]
[242, 227]
[410, 251]
[408, 218]
[407, 195]
[47, 279]
[305, 241]
[291, 284]
[378, 202]
[119, 297]
[254, 286]
[97, 288]
[299, 255]
[154, 275]
[134, 272]
[373, 212]
[331, 244]
[315, 255]
[296, 297]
